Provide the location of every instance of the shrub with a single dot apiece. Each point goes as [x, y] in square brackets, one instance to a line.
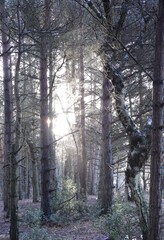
[121, 223]
[68, 196]
[37, 233]
[66, 207]
[33, 217]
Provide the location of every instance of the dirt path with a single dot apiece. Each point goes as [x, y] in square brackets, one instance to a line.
[82, 229]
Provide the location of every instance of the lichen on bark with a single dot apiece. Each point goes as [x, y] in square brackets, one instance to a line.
[139, 148]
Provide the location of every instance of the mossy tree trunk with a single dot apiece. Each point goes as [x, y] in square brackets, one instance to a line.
[139, 149]
[139, 140]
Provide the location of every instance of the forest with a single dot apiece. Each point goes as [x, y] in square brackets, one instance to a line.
[81, 119]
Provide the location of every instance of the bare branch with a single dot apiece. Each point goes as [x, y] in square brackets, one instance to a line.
[123, 14]
[94, 9]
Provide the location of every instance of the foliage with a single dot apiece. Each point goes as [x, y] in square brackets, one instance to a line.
[33, 217]
[37, 233]
[66, 201]
[121, 223]
[66, 207]
[68, 195]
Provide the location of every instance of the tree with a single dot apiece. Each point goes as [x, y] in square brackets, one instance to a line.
[157, 131]
[82, 160]
[139, 140]
[106, 172]
[12, 137]
[45, 161]
[106, 179]
[7, 82]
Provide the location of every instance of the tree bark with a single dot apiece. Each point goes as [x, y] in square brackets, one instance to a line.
[106, 172]
[139, 149]
[35, 184]
[82, 158]
[139, 141]
[14, 233]
[157, 131]
[7, 82]
[45, 161]
[52, 150]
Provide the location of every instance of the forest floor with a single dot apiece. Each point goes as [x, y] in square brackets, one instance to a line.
[83, 228]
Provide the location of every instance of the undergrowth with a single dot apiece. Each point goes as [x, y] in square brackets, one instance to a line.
[65, 206]
[32, 217]
[121, 223]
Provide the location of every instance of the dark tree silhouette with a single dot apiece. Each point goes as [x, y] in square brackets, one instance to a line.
[157, 131]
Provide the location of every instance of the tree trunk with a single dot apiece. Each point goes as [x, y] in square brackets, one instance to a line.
[83, 160]
[45, 161]
[106, 173]
[139, 141]
[139, 149]
[52, 150]
[157, 131]
[83, 165]
[7, 82]
[14, 233]
[35, 184]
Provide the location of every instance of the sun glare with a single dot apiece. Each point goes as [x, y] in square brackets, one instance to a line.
[64, 119]
[62, 125]
[48, 122]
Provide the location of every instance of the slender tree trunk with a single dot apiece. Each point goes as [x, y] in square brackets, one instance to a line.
[7, 82]
[157, 131]
[14, 233]
[52, 150]
[45, 161]
[106, 173]
[75, 108]
[83, 160]
[16, 145]
[35, 184]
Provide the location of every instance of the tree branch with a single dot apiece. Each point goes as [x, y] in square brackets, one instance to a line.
[123, 14]
[94, 9]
